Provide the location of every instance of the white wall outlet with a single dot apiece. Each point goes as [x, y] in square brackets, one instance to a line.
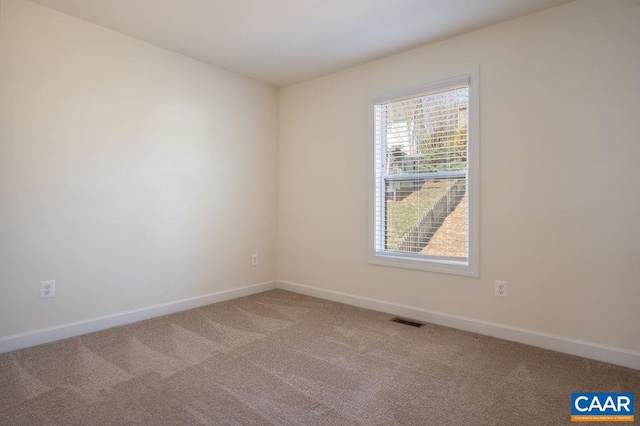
[501, 288]
[254, 259]
[47, 289]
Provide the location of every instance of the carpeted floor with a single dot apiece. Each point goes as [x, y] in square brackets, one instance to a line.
[286, 359]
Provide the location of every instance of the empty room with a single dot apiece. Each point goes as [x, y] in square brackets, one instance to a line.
[421, 212]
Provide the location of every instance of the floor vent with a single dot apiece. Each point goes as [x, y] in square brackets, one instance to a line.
[407, 322]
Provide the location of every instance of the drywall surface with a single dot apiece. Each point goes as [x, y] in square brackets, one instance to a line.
[559, 199]
[131, 175]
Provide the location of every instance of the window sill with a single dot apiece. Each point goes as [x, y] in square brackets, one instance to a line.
[431, 265]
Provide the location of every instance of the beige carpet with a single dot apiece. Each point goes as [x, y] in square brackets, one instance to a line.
[286, 359]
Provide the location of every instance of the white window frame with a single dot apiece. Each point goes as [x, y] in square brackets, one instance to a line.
[413, 261]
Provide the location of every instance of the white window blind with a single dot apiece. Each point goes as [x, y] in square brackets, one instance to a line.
[422, 180]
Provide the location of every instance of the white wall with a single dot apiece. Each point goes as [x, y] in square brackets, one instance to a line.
[560, 207]
[131, 175]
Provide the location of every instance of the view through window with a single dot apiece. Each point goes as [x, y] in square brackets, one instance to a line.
[422, 179]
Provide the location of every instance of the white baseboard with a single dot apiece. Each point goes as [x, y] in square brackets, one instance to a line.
[613, 355]
[50, 334]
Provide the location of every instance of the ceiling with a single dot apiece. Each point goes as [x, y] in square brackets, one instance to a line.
[282, 42]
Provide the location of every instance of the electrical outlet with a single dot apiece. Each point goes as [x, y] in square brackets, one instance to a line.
[254, 259]
[47, 289]
[501, 288]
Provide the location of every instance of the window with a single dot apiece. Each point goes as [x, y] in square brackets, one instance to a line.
[425, 166]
